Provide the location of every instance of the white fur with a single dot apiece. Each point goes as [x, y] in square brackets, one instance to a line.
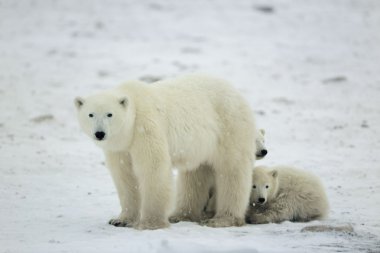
[288, 194]
[195, 123]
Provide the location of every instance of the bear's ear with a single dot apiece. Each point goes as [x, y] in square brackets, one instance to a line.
[123, 101]
[274, 173]
[78, 101]
[262, 131]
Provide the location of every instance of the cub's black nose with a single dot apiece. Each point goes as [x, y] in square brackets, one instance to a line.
[264, 152]
[261, 200]
[100, 135]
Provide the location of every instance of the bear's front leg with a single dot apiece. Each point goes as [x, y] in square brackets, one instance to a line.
[151, 163]
[120, 166]
[155, 190]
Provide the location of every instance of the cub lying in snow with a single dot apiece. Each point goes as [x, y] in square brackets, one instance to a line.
[285, 193]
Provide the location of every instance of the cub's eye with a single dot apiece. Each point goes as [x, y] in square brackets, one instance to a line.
[109, 115]
[254, 187]
[267, 186]
[91, 115]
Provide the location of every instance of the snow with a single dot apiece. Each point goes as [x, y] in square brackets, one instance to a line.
[309, 69]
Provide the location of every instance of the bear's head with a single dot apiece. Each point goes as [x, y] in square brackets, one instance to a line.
[107, 119]
[261, 150]
[264, 185]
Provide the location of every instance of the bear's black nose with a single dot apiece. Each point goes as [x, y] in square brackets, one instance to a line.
[264, 152]
[100, 135]
[261, 200]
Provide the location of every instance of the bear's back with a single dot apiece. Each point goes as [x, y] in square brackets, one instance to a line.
[297, 180]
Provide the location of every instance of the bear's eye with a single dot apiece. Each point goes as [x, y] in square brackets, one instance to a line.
[109, 115]
[254, 187]
[91, 115]
[267, 186]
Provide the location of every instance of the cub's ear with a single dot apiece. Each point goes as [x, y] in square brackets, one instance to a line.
[274, 173]
[123, 101]
[78, 101]
[262, 131]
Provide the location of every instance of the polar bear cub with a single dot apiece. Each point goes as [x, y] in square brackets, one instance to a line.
[285, 193]
[186, 123]
[261, 150]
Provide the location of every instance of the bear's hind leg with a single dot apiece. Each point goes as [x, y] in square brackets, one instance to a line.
[193, 194]
[233, 185]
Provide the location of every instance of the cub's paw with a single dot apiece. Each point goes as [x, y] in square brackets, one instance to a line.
[221, 222]
[258, 219]
[176, 219]
[206, 215]
[151, 224]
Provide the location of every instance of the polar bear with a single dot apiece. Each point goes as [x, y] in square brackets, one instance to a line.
[285, 193]
[191, 123]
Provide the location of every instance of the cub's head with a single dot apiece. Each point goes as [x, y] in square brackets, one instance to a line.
[264, 185]
[261, 150]
[104, 118]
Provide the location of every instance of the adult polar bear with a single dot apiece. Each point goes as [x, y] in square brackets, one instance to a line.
[190, 123]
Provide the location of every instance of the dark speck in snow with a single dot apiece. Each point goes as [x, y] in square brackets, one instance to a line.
[264, 9]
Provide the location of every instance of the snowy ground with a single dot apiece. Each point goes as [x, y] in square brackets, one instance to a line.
[310, 70]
